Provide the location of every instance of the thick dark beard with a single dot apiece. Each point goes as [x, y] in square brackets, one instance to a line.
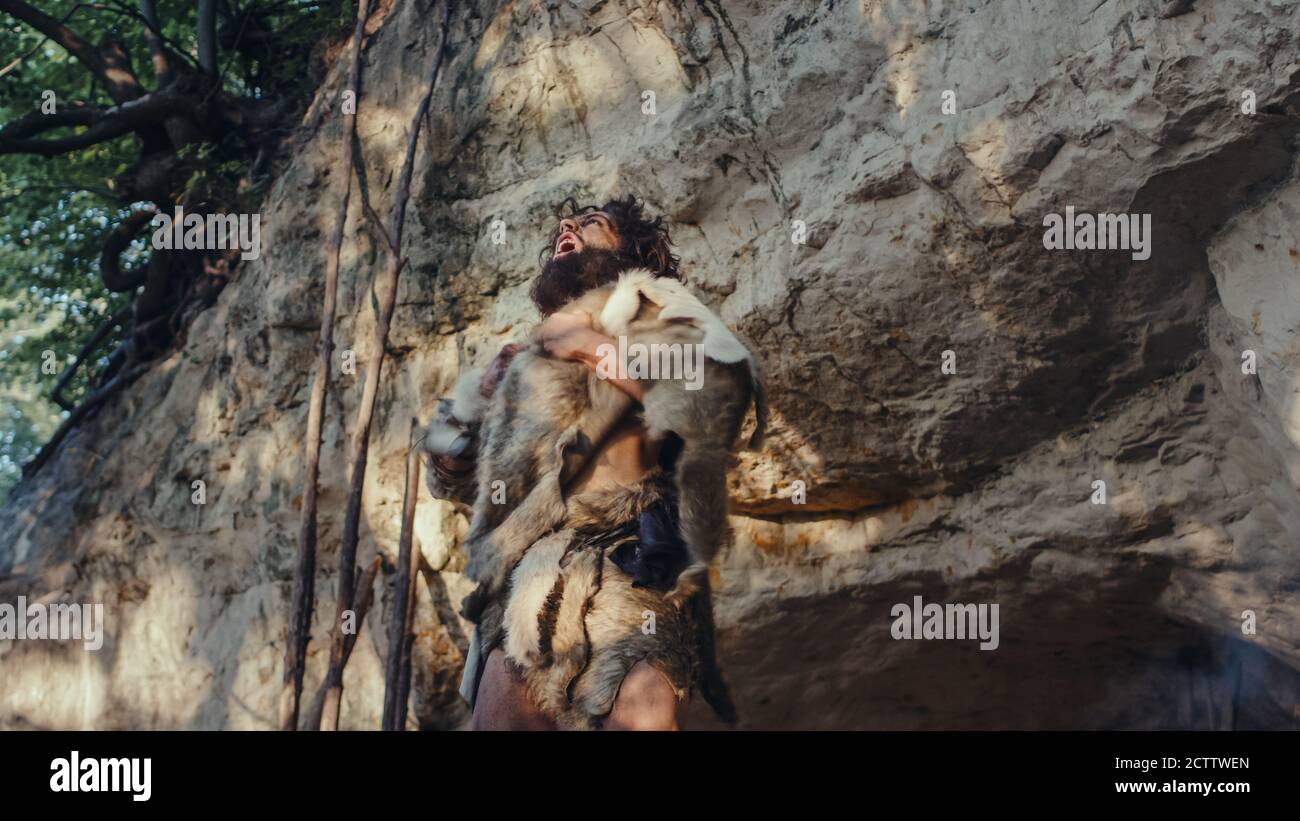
[565, 279]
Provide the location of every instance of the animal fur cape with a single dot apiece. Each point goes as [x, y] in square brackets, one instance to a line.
[567, 620]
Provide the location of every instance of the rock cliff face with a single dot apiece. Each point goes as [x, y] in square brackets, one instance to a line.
[886, 476]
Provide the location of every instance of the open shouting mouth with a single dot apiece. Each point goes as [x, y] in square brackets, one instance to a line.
[566, 244]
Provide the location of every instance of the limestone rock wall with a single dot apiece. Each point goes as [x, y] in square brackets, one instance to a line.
[883, 478]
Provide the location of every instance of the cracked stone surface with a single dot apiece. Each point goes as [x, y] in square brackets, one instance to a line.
[923, 235]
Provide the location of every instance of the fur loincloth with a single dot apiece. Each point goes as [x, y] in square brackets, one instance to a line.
[572, 625]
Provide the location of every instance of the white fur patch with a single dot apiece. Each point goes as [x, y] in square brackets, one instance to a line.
[530, 584]
[439, 439]
[579, 584]
[468, 405]
[623, 304]
[677, 302]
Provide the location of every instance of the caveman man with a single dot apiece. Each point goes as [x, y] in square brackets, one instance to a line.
[584, 633]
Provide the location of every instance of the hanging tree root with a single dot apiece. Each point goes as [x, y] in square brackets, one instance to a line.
[401, 623]
[99, 397]
[118, 318]
[304, 572]
[365, 414]
[367, 588]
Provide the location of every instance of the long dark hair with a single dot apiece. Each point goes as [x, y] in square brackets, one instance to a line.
[642, 240]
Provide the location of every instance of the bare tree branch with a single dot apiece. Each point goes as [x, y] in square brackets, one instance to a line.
[11, 141]
[172, 50]
[39, 45]
[109, 64]
[105, 123]
[153, 39]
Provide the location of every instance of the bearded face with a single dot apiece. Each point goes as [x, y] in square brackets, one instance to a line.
[564, 279]
[586, 256]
